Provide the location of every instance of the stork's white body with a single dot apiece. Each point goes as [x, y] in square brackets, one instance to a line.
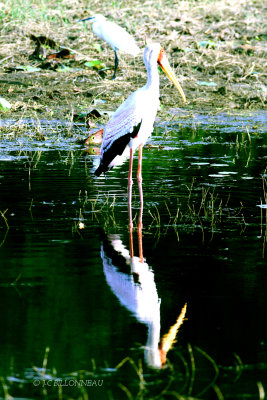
[139, 109]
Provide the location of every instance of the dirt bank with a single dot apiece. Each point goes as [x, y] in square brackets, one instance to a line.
[217, 49]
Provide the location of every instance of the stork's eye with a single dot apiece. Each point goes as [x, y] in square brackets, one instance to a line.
[161, 54]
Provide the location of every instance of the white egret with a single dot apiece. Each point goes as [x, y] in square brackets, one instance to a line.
[132, 123]
[115, 36]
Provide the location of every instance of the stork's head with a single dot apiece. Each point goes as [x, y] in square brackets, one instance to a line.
[94, 18]
[154, 53]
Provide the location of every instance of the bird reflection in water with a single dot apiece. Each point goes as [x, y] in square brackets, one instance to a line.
[136, 290]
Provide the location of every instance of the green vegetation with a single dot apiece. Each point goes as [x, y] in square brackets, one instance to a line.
[180, 379]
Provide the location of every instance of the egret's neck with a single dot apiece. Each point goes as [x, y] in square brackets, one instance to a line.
[152, 77]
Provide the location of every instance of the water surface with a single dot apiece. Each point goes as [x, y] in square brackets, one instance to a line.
[64, 257]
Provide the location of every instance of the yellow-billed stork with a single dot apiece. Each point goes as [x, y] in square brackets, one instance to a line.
[132, 123]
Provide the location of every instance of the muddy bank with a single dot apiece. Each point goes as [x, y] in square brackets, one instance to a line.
[217, 50]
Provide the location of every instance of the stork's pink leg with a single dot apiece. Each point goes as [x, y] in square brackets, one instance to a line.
[140, 179]
[139, 170]
[131, 234]
[130, 184]
[140, 225]
[130, 179]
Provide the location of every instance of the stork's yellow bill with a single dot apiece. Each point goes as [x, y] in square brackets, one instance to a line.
[165, 66]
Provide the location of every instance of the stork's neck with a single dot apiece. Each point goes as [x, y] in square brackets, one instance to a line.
[152, 77]
[152, 354]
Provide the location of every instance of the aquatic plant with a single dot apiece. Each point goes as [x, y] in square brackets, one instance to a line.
[191, 373]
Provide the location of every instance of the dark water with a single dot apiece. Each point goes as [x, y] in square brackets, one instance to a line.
[70, 307]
